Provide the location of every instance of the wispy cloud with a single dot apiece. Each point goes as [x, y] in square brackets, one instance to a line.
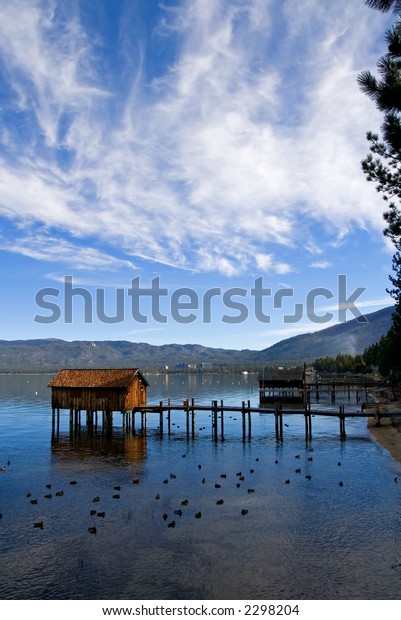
[251, 135]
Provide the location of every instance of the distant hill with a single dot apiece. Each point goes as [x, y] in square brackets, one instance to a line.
[350, 337]
[52, 354]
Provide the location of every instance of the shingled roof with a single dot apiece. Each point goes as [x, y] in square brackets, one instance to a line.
[96, 378]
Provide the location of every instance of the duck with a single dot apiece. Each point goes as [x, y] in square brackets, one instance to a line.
[96, 499]
[165, 516]
[251, 490]
[220, 502]
[171, 524]
[59, 493]
[244, 511]
[101, 514]
[185, 502]
[198, 515]
[135, 481]
[178, 512]
[92, 530]
[116, 496]
[39, 525]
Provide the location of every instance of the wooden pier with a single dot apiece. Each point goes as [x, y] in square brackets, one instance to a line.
[217, 411]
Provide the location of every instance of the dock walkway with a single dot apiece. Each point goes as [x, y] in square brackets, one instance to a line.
[218, 410]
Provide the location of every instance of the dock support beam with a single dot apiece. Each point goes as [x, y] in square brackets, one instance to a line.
[278, 415]
[342, 422]
[308, 425]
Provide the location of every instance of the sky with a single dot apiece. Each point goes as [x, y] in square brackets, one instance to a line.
[187, 171]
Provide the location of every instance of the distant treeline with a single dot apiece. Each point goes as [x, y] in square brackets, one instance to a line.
[376, 357]
[344, 362]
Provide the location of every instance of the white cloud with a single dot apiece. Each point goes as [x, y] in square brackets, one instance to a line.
[321, 264]
[252, 135]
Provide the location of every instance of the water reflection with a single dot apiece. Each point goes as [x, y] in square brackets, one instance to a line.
[310, 538]
[81, 445]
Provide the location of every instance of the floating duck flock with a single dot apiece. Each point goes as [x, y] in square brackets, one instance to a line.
[214, 488]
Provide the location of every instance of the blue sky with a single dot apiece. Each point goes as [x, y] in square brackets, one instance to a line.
[209, 143]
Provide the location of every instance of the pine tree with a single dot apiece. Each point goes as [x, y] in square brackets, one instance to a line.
[383, 164]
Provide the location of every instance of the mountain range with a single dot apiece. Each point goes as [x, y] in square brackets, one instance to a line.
[53, 354]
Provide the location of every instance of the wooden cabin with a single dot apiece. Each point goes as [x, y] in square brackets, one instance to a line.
[107, 390]
[282, 387]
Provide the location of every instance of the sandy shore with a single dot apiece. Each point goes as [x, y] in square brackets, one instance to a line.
[388, 434]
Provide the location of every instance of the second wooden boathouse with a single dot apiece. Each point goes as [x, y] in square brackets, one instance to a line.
[282, 387]
[105, 390]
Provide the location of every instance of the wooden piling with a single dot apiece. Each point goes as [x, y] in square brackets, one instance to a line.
[342, 422]
[193, 417]
[161, 418]
[243, 420]
[214, 420]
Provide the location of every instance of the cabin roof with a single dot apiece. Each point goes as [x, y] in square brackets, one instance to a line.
[96, 378]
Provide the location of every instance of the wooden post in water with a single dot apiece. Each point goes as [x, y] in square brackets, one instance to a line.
[193, 417]
[308, 425]
[276, 420]
[222, 420]
[161, 418]
[214, 420]
[243, 421]
[342, 422]
[169, 418]
[249, 419]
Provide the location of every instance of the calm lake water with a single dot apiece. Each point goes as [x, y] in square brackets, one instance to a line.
[309, 538]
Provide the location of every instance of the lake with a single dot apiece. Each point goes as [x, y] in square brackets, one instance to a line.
[257, 519]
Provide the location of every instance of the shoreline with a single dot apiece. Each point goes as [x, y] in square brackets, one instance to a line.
[388, 434]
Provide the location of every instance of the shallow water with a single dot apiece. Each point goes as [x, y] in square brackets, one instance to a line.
[305, 539]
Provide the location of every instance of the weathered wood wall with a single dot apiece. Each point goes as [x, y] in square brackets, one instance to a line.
[100, 399]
